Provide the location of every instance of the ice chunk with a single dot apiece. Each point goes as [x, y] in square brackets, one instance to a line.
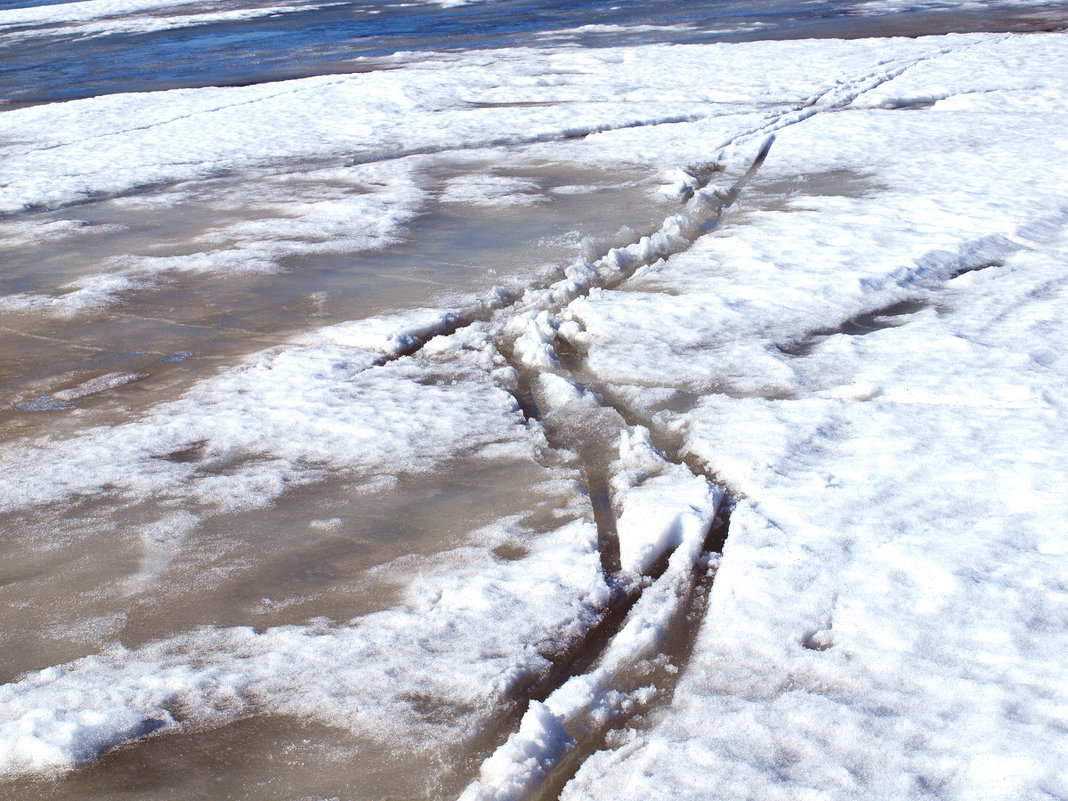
[390, 334]
[660, 514]
[535, 345]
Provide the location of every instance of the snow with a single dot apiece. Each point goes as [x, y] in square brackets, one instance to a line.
[352, 170]
[893, 583]
[436, 104]
[80, 11]
[287, 415]
[857, 336]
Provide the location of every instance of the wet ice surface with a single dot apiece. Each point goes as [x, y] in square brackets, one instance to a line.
[378, 459]
[170, 286]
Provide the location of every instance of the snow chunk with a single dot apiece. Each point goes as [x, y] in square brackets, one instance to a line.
[535, 345]
[662, 513]
[558, 392]
[660, 505]
[525, 759]
[100, 383]
[390, 334]
[679, 184]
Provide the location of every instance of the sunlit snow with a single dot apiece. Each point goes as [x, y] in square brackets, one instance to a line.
[679, 419]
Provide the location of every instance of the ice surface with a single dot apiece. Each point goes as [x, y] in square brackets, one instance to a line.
[859, 337]
[420, 677]
[280, 218]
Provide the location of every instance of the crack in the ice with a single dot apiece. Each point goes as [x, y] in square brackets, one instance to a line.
[267, 165]
[566, 134]
[589, 432]
[624, 697]
[925, 278]
[848, 92]
[892, 315]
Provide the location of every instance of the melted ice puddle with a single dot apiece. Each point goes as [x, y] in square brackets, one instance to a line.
[167, 285]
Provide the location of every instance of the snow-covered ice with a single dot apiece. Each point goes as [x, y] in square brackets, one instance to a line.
[125, 16]
[841, 343]
[888, 615]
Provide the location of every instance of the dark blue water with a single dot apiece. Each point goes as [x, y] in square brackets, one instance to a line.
[59, 62]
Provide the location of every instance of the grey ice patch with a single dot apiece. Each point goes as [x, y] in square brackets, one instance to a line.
[492, 190]
[177, 356]
[42, 403]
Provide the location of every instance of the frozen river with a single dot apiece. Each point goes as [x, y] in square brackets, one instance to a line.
[518, 400]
